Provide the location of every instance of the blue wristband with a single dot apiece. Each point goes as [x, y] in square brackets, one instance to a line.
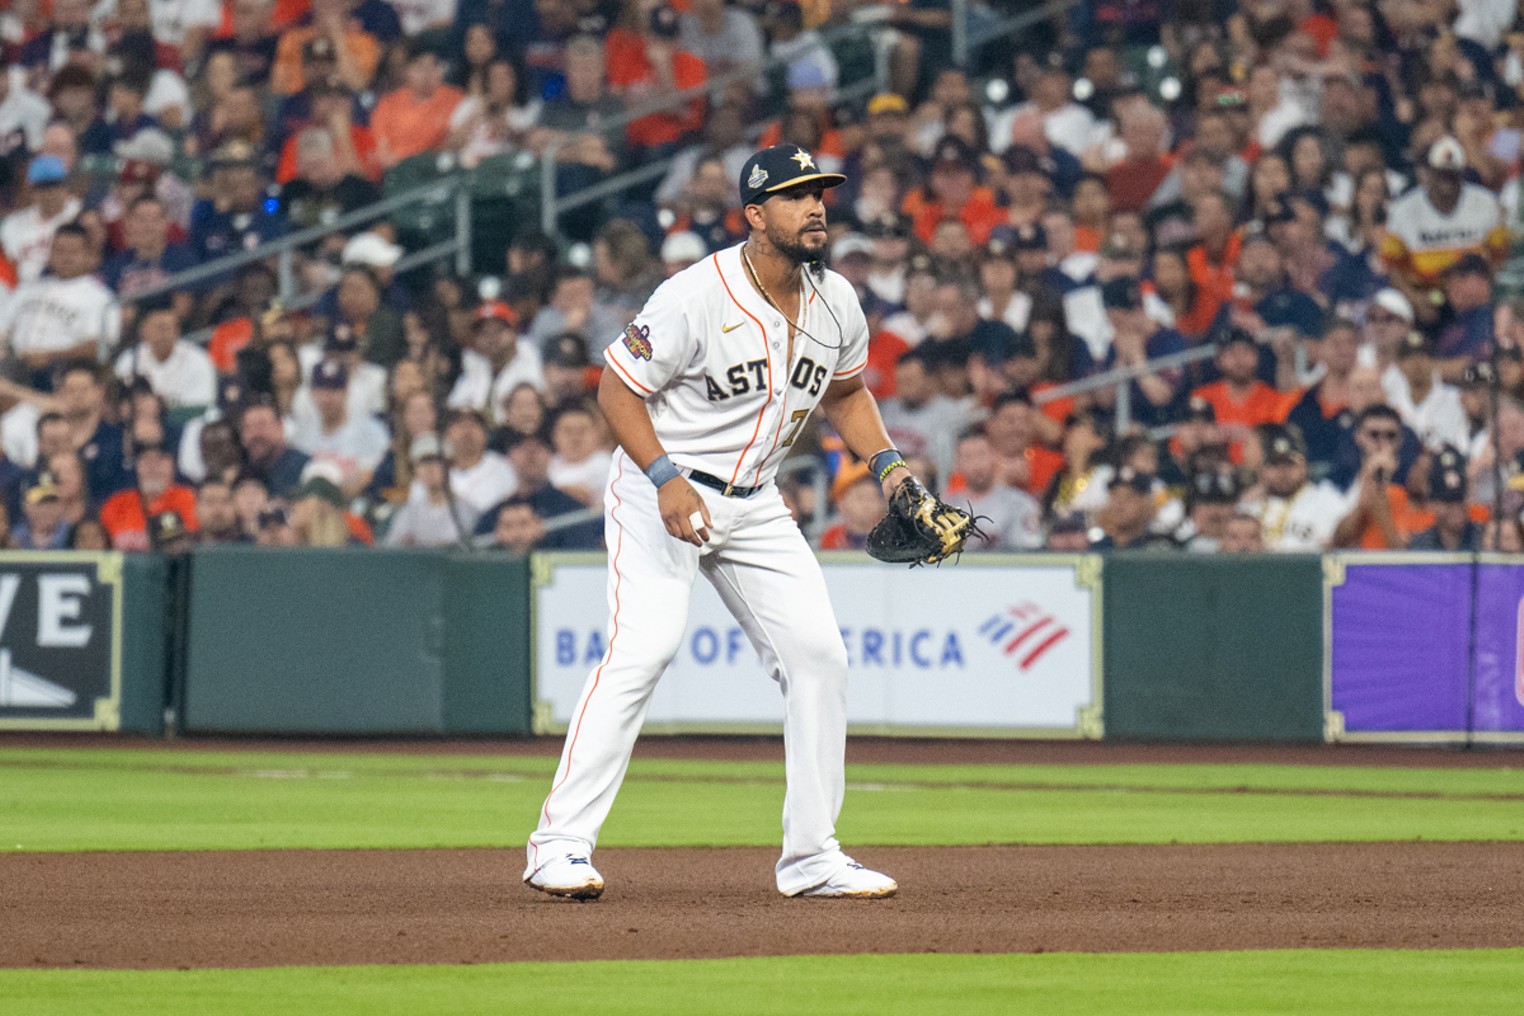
[662, 470]
[883, 463]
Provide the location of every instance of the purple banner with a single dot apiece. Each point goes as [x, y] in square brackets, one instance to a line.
[1402, 659]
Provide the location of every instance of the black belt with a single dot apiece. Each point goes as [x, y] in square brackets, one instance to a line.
[715, 483]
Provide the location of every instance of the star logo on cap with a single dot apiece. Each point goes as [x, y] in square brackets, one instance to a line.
[803, 158]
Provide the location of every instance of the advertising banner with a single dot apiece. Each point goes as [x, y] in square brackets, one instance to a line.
[1007, 647]
[1425, 649]
[60, 641]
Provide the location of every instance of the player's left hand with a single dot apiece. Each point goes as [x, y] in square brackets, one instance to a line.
[679, 503]
[920, 528]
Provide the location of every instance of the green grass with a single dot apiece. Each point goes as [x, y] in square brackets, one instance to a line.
[113, 799]
[1300, 982]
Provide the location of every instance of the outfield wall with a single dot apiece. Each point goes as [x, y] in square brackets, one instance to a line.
[432, 643]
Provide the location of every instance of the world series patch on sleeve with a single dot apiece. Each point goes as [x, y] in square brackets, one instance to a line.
[637, 339]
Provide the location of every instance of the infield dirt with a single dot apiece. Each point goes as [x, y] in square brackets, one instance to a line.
[299, 907]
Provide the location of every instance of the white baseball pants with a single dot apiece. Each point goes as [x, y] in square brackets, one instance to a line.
[768, 577]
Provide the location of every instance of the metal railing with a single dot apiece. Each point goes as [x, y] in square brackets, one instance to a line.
[1122, 378]
[966, 39]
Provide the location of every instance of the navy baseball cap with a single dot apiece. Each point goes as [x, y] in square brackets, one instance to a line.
[329, 374]
[779, 168]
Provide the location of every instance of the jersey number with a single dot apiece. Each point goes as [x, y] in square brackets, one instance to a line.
[800, 415]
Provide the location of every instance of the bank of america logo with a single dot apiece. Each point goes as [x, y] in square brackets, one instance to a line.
[1024, 632]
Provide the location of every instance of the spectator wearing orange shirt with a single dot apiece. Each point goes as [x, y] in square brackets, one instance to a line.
[953, 191]
[1213, 258]
[353, 148]
[416, 117]
[645, 64]
[861, 505]
[1377, 504]
[1241, 401]
[124, 514]
[355, 52]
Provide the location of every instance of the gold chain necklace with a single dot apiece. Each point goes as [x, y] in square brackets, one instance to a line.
[757, 279]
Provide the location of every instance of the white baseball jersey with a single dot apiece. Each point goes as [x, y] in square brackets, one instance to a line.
[53, 314]
[711, 358]
[1304, 522]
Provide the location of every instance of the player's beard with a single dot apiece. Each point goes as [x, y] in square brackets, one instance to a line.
[795, 249]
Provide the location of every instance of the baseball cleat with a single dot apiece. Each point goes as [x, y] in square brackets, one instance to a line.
[855, 882]
[573, 877]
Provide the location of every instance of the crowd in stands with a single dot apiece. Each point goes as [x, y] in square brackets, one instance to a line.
[1315, 196]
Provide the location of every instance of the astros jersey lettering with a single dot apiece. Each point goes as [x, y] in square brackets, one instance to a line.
[710, 356]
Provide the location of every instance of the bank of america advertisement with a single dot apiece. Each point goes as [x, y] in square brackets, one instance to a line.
[60, 641]
[1006, 646]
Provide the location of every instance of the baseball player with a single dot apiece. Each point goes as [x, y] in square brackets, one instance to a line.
[706, 390]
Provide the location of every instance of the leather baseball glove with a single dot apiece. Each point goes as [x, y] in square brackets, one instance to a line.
[920, 528]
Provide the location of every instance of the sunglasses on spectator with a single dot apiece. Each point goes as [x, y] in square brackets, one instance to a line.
[1382, 435]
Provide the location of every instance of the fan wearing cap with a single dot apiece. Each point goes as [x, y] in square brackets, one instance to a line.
[1468, 336]
[353, 446]
[953, 191]
[1427, 405]
[1454, 528]
[63, 316]
[1295, 514]
[1241, 400]
[1135, 339]
[430, 518]
[1211, 501]
[126, 513]
[1431, 227]
[26, 235]
[237, 217]
[332, 41]
[496, 363]
[43, 526]
[180, 371]
[1128, 517]
[707, 390]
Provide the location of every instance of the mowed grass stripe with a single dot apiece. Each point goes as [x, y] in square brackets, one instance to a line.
[1273, 983]
[54, 807]
[1501, 782]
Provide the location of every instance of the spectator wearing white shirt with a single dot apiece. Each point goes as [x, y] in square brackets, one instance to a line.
[367, 381]
[1295, 514]
[63, 316]
[1011, 517]
[496, 363]
[23, 113]
[726, 38]
[1065, 123]
[1426, 404]
[431, 518]
[26, 235]
[179, 371]
[580, 465]
[479, 477]
[354, 446]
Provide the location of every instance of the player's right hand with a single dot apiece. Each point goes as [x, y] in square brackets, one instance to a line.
[677, 501]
